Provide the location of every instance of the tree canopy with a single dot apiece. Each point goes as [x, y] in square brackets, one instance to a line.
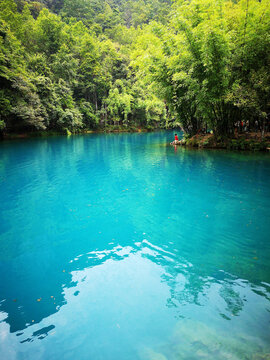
[83, 64]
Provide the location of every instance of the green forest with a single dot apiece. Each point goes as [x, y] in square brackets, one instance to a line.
[76, 65]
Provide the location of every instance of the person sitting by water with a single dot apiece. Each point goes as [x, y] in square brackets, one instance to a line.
[176, 140]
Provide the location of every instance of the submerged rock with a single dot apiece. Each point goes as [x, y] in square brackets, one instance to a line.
[192, 340]
[261, 356]
[149, 354]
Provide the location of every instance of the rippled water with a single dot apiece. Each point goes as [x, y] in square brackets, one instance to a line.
[121, 247]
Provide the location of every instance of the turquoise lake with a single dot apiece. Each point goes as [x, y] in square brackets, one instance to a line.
[119, 246]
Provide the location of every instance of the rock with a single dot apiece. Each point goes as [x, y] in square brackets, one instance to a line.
[150, 354]
[261, 356]
[178, 142]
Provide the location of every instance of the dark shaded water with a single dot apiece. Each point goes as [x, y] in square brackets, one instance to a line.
[120, 247]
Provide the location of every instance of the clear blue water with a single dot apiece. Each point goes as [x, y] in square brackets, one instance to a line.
[121, 247]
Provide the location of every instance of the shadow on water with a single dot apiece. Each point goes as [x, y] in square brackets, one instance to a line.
[127, 208]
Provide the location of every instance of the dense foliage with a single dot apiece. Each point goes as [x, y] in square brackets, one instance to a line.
[83, 64]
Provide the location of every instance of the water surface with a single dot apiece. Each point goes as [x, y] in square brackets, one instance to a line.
[121, 247]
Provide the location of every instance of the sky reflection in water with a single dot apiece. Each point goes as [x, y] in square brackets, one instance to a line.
[120, 247]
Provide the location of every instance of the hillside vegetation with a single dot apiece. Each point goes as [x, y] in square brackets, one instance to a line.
[70, 65]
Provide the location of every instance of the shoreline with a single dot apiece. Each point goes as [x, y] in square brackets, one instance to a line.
[243, 142]
[43, 134]
[247, 141]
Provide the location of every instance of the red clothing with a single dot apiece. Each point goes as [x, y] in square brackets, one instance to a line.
[176, 137]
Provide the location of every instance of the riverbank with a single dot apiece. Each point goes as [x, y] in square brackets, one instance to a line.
[246, 141]
[66, 132]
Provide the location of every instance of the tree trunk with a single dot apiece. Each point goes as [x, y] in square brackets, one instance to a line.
[263, 128]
